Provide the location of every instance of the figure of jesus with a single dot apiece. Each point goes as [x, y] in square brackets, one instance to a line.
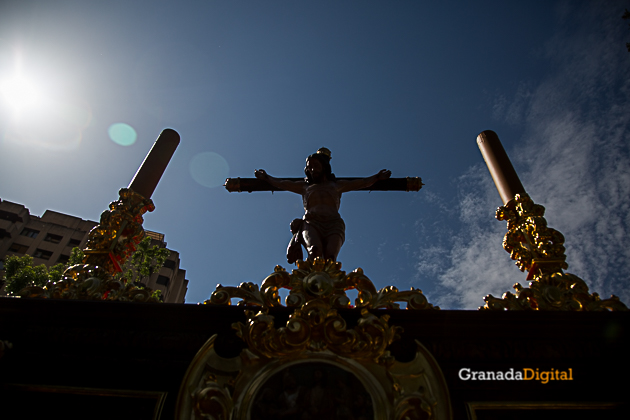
[321, 230]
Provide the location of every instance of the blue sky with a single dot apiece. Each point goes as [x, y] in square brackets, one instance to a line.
[404, 85]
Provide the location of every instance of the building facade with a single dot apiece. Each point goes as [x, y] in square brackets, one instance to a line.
[49, 239]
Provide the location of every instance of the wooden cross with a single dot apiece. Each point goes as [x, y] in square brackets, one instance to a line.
[392, 184]
[321, 231]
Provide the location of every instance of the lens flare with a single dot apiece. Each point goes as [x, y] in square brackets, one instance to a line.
[122, 134]
[209, 169]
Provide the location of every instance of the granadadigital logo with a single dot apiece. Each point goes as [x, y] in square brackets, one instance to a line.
[527, 374]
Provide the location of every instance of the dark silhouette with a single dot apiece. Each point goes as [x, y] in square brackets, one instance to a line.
[322, 230]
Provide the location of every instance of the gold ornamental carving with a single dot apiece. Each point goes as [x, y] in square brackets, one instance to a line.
[535, 247]
[540, 250]
[247, 387]
[109, 245]
[315, 342]
[316, 327]
[114, 239]
[322, 280]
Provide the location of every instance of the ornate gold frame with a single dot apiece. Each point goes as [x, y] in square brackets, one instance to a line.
[220, 388]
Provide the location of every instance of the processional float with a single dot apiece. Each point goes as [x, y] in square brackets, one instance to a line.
[317, 341]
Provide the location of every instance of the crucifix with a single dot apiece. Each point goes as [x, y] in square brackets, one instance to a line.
[321, 230]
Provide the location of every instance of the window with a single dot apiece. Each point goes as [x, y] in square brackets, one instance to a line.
[163, 280]
[55, 239]
[18, 248]
[74, 242]
[63, 259]
[43, 254]
[31, 233]
[1, 265]
[169, 264]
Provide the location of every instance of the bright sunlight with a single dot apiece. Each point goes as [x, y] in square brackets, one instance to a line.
[20, 94]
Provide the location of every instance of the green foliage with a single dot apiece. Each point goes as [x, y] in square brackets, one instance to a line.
[158, 295]
[55, 272]
[20, 273]
[76, 256]
[145, 261]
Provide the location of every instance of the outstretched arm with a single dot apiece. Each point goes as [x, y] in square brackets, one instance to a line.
[356, 184]
[283, 184]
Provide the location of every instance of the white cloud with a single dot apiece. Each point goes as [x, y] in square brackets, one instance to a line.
[512, 111]
[576, 155]
[477, 264]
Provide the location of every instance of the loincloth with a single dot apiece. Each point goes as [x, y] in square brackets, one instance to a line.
[327, 226]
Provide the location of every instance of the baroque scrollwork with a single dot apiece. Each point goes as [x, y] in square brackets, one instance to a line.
[414, 407]
[109, 245]
[540, 250]
[323, 280]
[210, 397]
[218, 388]
[557, 291]
[315, 333]
[535, 247]
[316, 327]
[317, 290]
[114, 239]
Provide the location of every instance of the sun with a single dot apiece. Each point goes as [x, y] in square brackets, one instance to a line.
[20, 94]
